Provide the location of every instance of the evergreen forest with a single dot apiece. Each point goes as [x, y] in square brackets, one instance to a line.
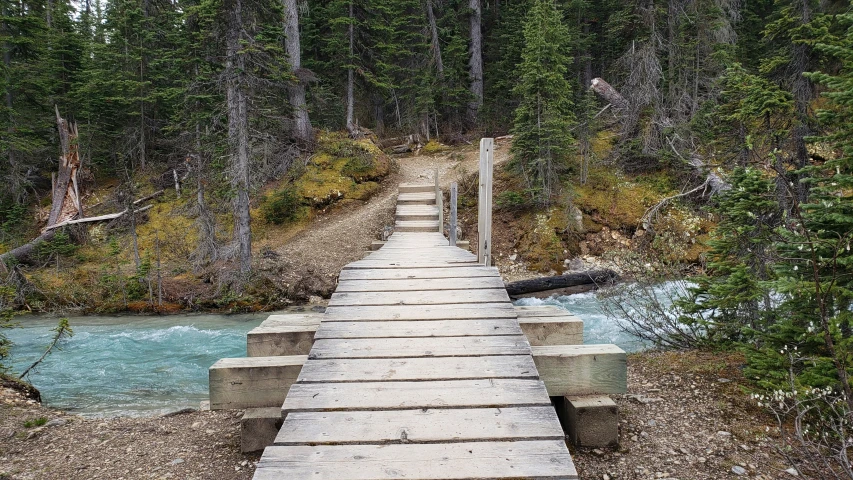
[737, 115]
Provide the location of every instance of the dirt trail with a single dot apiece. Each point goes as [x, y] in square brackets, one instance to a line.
[310, 262]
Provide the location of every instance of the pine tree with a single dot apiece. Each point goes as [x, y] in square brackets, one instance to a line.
[543, 119]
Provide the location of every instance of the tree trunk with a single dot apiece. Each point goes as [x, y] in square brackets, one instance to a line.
[476, 61]
[435, 45]
[238, 133]
[66, 193]
[608, 93]
[301, 123]
[594, 277]
[350, 73]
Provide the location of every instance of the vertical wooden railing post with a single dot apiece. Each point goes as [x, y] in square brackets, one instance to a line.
[439, 202]
[484, 216]
[453, 195]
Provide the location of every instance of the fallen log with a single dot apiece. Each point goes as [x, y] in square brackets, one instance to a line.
[608, 93]
[99, 218]
[590, 277]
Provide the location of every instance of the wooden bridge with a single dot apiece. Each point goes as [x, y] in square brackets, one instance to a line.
[419, 369]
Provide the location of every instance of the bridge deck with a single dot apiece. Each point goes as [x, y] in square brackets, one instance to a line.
[419, 370]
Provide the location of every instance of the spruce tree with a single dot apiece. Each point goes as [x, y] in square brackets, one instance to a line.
[544, 118]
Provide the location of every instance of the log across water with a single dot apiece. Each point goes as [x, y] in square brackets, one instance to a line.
[590, 277]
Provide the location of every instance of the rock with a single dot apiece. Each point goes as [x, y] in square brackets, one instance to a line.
[605, 477]
[177, 461]
[598, 452]
[722, 433]
[738, 470]
[513, 257]
[56, 422]
[576, 264]
[178, 412]
[723, 380]
[653, 423]
[314, 299]
[792, 472]
[318, 309]
[195, 425]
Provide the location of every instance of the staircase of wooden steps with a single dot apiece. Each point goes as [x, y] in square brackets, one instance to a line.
[421, 368]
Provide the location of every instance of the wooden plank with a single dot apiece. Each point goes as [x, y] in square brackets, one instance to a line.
[540, 311]
[529, 460]
[292, 319]
[419, 284]
[419, 369]
[564, 330]
[436, 328]
[415, 187]
[418, 312]
[416, 199]
[407, 264]
[443, 297]
[420, 347]
[422, 254]
[319, 397]
[238, 383]
[582, 369]
[273, 340]
[418, 273]
[420, 426]
[484, 202]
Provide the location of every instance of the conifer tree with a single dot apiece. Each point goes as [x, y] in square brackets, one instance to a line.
[544, 118]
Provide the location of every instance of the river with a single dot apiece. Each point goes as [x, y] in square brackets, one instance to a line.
[147, 365]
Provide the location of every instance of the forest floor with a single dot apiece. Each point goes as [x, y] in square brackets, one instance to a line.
[685, 416]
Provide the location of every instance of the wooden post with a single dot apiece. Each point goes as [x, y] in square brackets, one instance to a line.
[439, 202]
[453, 195]
[484, 217]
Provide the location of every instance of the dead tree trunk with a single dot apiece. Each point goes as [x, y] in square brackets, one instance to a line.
[476, 62]
[435, 46]
[592, 277]
[66, 189]
[238, 132]
[302, 124]
[608, 93]
[350, 123]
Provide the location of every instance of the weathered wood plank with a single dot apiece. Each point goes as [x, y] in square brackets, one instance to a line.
[476, 283]
[540, 311]
[565, 330]
[444, 297]
[419, 273]
[436, 328]
[407, 264]
[529, 460]
[420, 426]
[582, 369]
[319, 397]
[418, 312]
[238, 383]
[419, 347]
[416, 188]
[418, 369]
[272, 340]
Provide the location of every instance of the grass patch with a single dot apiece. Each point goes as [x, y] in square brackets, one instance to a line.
[35, 422]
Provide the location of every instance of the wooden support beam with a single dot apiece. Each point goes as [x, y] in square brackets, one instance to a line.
[582, 369]
[453, 221]
[589, 421]
[562, 330]
[484, 217]
[238, 383]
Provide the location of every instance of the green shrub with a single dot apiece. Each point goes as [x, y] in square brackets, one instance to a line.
[510, 200]
[36, 422]
[281, 207]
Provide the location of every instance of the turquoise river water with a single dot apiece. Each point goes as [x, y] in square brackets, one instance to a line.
[136, 365]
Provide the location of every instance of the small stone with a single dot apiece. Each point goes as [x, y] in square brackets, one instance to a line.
[598, 452]
[644, 434]
[56, 422]
[738, 470]
[792, 472]
[723, 380]
[702, 459]
[653, 423]
[605, 477]
[177, 461]
[513, 257]
[195, 425]
[722, 433]
[684, 451]
[634, 438]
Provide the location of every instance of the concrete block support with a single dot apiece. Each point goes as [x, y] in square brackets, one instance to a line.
[258, 428]
[589, 421]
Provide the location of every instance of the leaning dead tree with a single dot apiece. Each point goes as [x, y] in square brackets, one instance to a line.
[713, 183]
[67, 203]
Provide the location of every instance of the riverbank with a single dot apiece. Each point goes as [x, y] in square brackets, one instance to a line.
[686, 415]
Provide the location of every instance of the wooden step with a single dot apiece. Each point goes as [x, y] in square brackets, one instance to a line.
[416, 225]
[420, 347]
[433, 284]
[535, 459]
[416, 199]
[416, 187]
[419, 273]
[442, 297]
[435, 328]
[416, 212]
[420, 426]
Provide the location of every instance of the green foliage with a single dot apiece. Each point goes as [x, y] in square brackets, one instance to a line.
[7, 314]
[544, 118]
[732, 301]
[510, 200]
[282, 206]
[35, 422]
